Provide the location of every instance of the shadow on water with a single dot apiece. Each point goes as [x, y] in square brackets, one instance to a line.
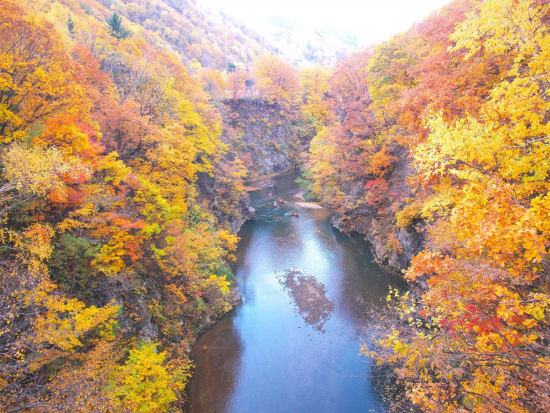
[294, 343]
[217, 357]
[308, 296]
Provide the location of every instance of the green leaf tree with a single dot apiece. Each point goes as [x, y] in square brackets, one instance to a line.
[116, 28]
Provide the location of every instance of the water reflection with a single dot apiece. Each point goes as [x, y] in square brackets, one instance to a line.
[308, 296]
[217, 368]
[265, 358]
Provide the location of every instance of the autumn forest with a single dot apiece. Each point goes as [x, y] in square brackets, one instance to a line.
[133, 131]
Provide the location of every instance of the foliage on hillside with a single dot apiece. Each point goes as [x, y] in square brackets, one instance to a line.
[465, 94]
[126, 133]
[179, 26]
[111, 258]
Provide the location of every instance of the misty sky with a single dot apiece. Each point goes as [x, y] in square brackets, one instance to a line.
[370, 20]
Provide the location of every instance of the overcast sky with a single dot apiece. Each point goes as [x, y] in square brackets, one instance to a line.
[370, 20]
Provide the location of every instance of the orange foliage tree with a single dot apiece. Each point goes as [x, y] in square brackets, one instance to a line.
[471, 334]
[105, 234]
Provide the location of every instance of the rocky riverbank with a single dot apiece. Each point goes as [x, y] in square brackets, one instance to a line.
[393, 246]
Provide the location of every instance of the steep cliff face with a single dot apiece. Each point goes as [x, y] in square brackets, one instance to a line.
[262, 134]
[265, 137]
[232, 212]
[410, 239]
[392, 245]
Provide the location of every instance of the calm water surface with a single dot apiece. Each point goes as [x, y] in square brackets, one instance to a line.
[269, 356]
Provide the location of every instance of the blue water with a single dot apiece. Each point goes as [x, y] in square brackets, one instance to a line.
[268, 357]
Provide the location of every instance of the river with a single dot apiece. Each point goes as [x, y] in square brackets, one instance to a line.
[294, 344]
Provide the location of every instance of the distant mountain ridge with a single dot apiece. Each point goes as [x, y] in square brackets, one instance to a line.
[214, 39]
[289, 39]
[304, 46]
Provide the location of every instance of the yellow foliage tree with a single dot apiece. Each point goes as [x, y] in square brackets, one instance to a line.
[35, 74]
[144, 383]
[476, 336]
[276, 80]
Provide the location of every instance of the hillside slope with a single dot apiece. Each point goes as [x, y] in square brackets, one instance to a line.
[437, 151]
[115, 254]
[179, 26]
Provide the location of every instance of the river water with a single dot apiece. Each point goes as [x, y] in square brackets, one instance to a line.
[294, 344]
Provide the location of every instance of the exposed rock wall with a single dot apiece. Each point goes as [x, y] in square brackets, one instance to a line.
[392, 246]
[233, 212]
[264, 135]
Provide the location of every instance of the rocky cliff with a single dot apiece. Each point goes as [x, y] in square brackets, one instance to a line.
[263, 135]
[393, 245]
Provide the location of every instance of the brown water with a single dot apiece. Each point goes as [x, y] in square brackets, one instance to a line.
[294, 344]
